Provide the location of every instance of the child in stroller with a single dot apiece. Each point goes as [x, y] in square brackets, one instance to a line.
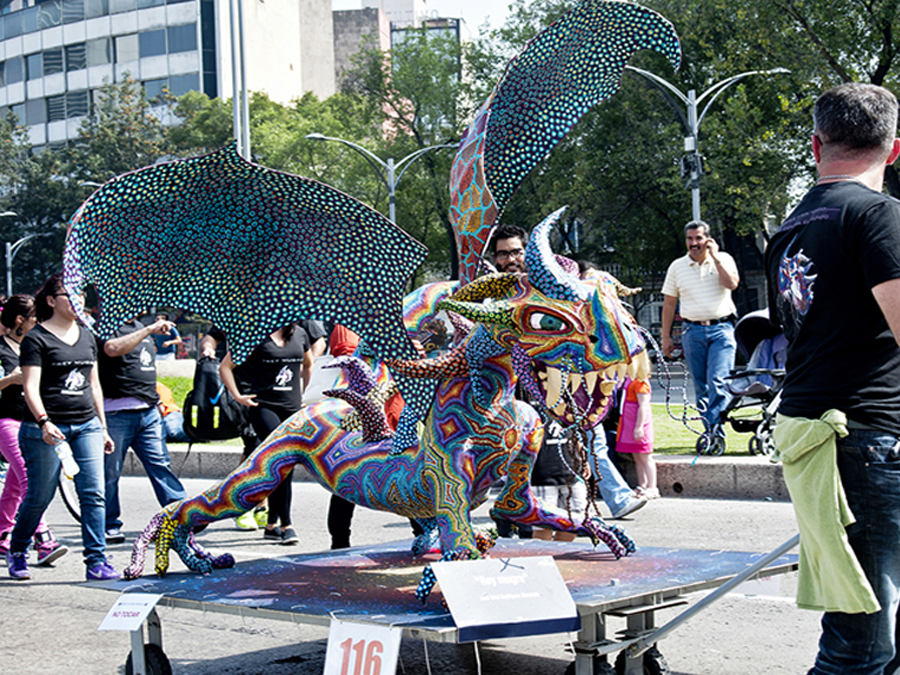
[756, 385]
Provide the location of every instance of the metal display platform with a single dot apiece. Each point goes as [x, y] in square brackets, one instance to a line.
[375, 584]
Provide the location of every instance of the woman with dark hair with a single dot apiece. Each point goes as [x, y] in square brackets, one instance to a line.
[17, 318]
[274, 393]
[63, 414]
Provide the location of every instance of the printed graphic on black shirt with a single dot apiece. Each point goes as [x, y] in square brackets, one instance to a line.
[74, 383]
[796, 289]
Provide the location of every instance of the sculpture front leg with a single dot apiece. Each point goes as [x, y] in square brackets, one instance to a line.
[244, 488]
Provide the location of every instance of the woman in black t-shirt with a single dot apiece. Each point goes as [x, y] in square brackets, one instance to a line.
[64, 407]
[18, 317]
[274, 392]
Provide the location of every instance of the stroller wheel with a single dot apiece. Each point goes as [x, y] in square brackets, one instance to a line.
[762, 442]
[710, 444]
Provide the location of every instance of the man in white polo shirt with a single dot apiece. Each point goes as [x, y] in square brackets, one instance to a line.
[702, 282]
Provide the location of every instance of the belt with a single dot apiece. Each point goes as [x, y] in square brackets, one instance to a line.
[709, 322]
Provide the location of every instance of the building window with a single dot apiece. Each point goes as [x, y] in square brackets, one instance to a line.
[34, 68]
[116, 6]
[56, 108]
[99, 52]
[154, 88]
[143, 4]
[50, 14]
[127, 48]
[175, 2]
[77, 103]
[53, 61]
[19, 111]
[76, 58]
[13, 24]
[15, 68]
[179, 85]
[153, 42]
[2, 74]
[35, 111]
[73, 10]
[182, 38]
[95, 8]
[30, 20]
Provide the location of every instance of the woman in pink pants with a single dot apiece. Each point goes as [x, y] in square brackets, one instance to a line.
[18, 318]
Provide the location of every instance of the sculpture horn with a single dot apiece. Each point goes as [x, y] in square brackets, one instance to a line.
[544, 271]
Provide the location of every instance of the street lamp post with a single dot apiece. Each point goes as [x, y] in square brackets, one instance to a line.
[692, 163]
[386, 170]
[13, 249]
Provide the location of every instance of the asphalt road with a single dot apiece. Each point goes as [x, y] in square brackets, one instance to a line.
[49, 625]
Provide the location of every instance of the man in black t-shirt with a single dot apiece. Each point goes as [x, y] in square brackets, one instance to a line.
[127, 367]
[834, 287]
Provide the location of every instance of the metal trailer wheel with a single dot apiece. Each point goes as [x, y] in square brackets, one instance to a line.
[69, 496]
[654, 663]
[156, 660]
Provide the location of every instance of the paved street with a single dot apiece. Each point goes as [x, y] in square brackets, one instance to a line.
[48, 625]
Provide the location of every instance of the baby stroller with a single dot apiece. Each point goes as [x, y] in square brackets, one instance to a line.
[756, 385]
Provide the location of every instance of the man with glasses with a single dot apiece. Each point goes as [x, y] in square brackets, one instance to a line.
[508, 248]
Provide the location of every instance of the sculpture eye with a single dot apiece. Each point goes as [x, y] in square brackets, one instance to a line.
[546, 322]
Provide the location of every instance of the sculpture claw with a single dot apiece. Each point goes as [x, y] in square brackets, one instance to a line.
[619, 543]
[168, 535]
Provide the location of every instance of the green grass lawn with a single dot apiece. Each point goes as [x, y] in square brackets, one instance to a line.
[672, 437]
[180, 387]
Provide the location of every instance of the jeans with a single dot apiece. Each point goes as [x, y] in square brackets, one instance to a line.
[709, 356]
[173, 424]
[43, 467]
[142, 431]
[851, 644]
[613, 488]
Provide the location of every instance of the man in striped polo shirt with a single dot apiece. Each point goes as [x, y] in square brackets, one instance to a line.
[702, 282]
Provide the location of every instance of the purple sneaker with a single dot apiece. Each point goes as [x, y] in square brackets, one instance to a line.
[48, 549]
[102, 572]
[18, 566]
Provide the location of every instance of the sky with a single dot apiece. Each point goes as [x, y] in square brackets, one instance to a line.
[475, 12]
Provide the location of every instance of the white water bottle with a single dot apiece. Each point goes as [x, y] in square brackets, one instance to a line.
[69, 465]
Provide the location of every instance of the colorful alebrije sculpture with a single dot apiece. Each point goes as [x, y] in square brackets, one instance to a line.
[569, 342]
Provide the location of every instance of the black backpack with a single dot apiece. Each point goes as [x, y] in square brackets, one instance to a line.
[210, 411]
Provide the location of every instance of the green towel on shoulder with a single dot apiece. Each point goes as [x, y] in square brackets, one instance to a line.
[831, 578]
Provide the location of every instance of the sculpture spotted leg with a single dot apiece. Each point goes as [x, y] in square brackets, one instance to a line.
[244, 488]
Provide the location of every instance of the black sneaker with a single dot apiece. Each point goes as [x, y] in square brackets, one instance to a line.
[275, 534]
[114, 536]
[289, 537]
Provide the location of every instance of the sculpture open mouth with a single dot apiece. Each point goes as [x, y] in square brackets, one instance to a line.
[579, 398]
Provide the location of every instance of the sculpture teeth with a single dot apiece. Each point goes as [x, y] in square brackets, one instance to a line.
[590, 381]
[554, 386]
[574, 381]
[542, 374]
[607, 387]
[560, 410]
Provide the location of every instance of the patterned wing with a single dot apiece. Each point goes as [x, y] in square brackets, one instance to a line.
[249, 248]
[568, 68]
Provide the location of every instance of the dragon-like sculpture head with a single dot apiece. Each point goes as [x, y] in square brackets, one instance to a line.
[572, 340]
